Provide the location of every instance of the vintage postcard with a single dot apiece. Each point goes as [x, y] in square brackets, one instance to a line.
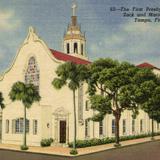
[79, 78]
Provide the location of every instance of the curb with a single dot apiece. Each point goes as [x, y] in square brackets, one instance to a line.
[40, 153]
[116, 148]
[71, 156]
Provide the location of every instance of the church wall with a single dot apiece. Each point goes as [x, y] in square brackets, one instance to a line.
[14, 111]
[46, 123]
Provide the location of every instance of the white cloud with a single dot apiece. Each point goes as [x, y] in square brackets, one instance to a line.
[8, 20]
[137, 27]
[113, 39]
[1, 55]
[134, 42]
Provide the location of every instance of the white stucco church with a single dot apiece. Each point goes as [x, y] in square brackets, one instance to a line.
[52, 117]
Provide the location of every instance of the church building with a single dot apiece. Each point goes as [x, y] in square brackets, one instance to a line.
[52, 117]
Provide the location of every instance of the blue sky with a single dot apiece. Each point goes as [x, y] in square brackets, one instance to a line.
[108, 34]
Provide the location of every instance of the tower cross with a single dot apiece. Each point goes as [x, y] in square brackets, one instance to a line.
[74, 7]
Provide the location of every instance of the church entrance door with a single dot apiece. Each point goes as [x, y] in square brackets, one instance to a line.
[62, 131]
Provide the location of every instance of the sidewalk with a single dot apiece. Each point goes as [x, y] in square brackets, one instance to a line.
[56, 150]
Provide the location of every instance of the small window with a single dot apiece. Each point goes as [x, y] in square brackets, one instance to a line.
[35, 127]
[27, 126]
[133, 125]
[13, 126]
[87, 128]
[7, 126]
[113, 126]
[157, 126]
[101, 128]
[75, 48]
[87, 105]
[124, 126]
[17, 125]
[81, 49]
[141, 125]
[68, 49]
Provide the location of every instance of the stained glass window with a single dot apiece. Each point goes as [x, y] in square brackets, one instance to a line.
[32, 73]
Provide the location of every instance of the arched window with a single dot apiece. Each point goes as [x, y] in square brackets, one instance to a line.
[32, 73]
[75, 48]
[68, 49]
[81, 49]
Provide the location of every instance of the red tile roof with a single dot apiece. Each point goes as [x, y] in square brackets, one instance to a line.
[147, 65]
[68, 58]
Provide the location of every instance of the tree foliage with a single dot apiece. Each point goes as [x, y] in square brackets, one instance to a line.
[115, 83]
[102, 105]
[148, 92]
[70, 74]
[112, 89]
[27, 93]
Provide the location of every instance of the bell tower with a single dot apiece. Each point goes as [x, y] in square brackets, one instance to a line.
[74, 41]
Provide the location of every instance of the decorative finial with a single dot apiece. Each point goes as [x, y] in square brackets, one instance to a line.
[32, 36]
[31, 29]
[74, 7]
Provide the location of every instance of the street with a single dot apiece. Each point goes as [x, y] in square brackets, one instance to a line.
[145, 151]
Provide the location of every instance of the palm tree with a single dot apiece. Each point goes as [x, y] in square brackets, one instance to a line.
[72, 75]
[27, 94]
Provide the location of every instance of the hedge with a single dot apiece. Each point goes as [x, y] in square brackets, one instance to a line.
[96, 141]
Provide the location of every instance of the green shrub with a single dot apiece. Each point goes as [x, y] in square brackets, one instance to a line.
[92, 142]
[46, 142]
[73, 151]
[23, 147]
[51, 140]
[96, 141]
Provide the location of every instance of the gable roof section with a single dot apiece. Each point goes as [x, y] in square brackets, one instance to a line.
[147, 65]
[68, 58]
